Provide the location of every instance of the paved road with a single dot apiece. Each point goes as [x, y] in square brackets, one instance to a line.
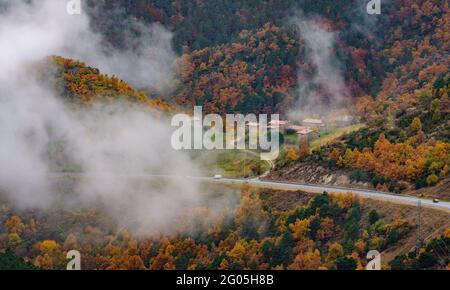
[321, 188]
[445, 206]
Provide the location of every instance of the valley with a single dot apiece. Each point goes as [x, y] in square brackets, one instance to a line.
[339, 142]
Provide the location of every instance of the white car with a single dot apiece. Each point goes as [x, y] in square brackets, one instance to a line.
[435, 200]
[217, 176]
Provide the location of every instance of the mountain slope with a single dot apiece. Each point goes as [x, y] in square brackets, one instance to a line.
[82, 84]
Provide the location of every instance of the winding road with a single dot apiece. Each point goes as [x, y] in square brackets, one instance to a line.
[311, 188]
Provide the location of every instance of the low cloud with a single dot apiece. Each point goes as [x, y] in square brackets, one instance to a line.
[110, 144]
[321, 85]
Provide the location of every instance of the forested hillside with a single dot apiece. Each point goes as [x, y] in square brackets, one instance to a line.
[259, 40]
[263, 230]
[388, 73]
[200, 24]
[81, 84]
[248, 53]
[257, 73]
[251, 56]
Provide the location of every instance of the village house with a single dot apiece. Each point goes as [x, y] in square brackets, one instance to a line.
[295, 128]
[307, 134]
[343, 121]
[313, 123]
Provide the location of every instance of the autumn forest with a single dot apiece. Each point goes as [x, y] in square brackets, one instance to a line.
[85, 119]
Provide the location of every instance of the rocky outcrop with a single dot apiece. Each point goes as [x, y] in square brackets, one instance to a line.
[306, 172]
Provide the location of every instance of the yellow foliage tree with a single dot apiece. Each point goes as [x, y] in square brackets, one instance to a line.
[300, 228]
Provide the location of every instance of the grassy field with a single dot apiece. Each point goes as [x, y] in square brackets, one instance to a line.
[290, 139]
[232, 163]
[236, 163]
[330, 136]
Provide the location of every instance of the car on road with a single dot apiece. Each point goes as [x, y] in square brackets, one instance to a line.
[217, 176]
[435, 200]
